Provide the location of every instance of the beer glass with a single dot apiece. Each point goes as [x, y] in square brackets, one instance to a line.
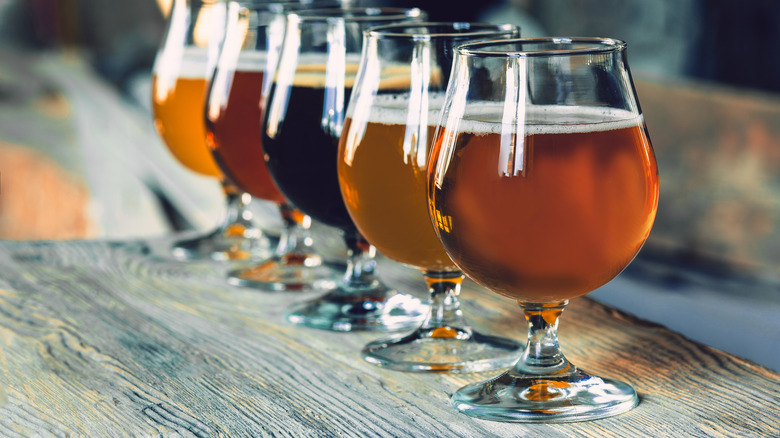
[382, 162]
[253, 38]
[543, 186]
[301, 127]
[182, 69]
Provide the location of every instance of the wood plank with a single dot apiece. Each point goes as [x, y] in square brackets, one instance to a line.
[107, 339]
[718, 151]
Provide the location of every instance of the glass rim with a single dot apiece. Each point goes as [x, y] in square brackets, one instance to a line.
[592, 45]
[280, 6]
[473, 29]
[363, 14]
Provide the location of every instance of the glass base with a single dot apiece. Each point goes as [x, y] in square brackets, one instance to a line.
[378, 309]
[443, 349]
[289, 273]
[521, 398]
[224, 245]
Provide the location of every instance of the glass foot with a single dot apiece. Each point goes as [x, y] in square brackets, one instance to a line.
[378, 309]
[224, 245]
[443, 349]
[522, 398]
[288, 273]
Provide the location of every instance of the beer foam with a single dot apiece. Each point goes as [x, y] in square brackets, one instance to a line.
[311, 72]
[393, 109]
[399, 76]
[251, 61]
[187, 62]
[483, 119]
[314, 76]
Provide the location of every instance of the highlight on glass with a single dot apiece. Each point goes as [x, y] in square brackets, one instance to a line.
[302, 124]
[543, 186]
[382, 169]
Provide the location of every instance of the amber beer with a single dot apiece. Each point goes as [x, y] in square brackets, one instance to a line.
[178, 114]
[384, 187]
[234, 136]
[565, 219]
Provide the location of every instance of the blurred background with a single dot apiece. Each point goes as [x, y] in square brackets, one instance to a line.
[79, 157]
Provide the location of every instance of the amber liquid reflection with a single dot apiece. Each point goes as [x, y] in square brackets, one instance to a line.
[567, 218]
[384, 188]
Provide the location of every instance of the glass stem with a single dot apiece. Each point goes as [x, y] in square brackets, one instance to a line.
[445, 313]
[237, 218]
[295, 239]
[361, 265]
[542, 355]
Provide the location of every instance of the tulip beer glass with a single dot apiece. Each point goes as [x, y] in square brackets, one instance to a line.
[543, 186]
[253, 38]
[302, 124]
[182, 70]
[382, 169]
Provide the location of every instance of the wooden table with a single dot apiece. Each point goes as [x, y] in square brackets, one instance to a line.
[105, 338]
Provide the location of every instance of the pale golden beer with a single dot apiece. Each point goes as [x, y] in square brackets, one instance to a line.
[178, 117]
[384, 187]
[178, 101]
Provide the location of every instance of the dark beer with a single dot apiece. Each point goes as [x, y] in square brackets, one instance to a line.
[301, 149]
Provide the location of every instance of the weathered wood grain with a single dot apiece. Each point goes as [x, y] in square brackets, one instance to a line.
[109, 339]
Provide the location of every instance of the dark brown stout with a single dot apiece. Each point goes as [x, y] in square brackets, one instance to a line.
[301, 149]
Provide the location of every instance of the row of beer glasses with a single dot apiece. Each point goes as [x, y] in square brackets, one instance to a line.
[252, 41]
[183, 68]
[302, 124]
[382, 165]
[349, 136]
[244, 42]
